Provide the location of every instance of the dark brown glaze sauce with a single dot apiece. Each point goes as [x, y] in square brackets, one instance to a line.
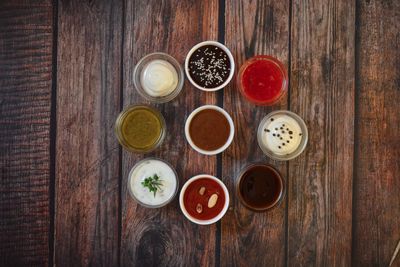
[260, 187]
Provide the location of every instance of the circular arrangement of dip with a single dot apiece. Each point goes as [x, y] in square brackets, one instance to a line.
[209, 129]
[149, 168]
[159, 78]
[281, 134]
[209, 66]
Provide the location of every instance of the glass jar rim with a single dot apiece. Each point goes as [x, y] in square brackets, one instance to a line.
[142, 203]
[282, 69]
[120, 119]
[302, 144]
[278, 174]
[144, 61]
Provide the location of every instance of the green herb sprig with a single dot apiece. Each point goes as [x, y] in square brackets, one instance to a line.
[152, 183]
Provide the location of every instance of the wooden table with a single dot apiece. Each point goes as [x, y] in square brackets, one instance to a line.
[66, 72]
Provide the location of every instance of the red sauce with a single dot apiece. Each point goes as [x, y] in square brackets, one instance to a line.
[263, 80]
[192, 197]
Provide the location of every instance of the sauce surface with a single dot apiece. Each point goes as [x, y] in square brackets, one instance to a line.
[192, 197]
[209, 66]
[159, 78]
[281, 135]
[262, 81]
[209, 129]
[260, 187]
[141, 128]
[149, 168]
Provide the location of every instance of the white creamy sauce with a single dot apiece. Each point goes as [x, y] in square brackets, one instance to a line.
[147, 169]
[159, 78]
[282, 135]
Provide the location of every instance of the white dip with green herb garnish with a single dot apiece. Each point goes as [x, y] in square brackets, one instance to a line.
[153, 182]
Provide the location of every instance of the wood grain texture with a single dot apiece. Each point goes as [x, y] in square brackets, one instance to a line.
[377, 185]
[328, 218]
[25, 93]
[87, 159]
[322, 92]
[249, 238]
[164, 237]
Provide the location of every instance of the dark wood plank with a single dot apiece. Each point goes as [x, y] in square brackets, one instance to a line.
[87, 160]
[248, 238]
[322, 92]
[164, 237]
[377, 184]
[26, 36]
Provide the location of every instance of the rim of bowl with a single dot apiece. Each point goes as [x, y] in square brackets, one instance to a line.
[216, 218]
[240, 177]
[302, 144]
[170, 59]
[119, 120]
[281, 67]
[231, 132]
[231, 59]
[148, 205]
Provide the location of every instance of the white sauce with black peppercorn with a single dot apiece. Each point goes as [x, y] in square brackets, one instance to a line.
[281, 134]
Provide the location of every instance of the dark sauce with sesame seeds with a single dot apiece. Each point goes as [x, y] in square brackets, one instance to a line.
[263, 80]
[260, 187]
[209, 66]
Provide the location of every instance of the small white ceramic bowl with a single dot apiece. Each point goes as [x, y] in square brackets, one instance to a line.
[216, 218]
[231, 133]
[225, 49]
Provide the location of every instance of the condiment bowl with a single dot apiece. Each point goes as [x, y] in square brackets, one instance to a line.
[231, 133]
[119, 132]
[142, 163]
[257, 186]
[276, 64]
[220, 214]
[143, 63]
[231, 60]
[304, 135]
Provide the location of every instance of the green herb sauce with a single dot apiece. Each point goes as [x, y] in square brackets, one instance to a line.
[141, 128]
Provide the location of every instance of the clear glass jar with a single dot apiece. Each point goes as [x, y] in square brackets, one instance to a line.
[263, 134]
[143, 63]
[147, 205]
[266, 65]
[119, 123]
[239, 183]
